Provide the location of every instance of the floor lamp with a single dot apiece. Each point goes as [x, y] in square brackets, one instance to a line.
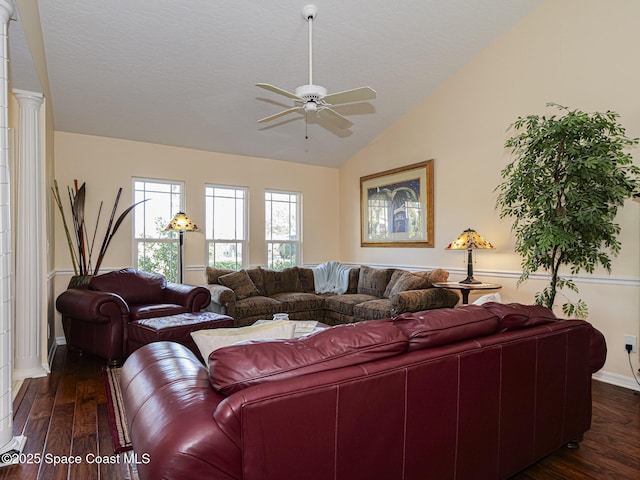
[181, 223]
[469, 240]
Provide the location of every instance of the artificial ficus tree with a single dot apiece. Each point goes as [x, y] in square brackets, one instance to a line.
[562, 190]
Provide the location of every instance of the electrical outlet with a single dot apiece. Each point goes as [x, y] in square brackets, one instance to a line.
[631, 340]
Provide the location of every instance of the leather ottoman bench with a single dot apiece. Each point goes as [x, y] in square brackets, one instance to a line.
[174, 328]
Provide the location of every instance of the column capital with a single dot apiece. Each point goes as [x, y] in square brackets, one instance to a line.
[7, 9]
[34, 97]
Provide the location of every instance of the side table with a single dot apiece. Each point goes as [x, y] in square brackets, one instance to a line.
[465, 288]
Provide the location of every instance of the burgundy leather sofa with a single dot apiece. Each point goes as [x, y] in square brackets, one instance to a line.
[95, 317]
[475, 392]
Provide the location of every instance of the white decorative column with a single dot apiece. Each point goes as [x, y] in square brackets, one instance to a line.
[29, 237]
[7, 441]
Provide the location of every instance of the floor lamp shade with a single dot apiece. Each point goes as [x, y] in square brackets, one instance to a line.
[469, 240]
[181, 223]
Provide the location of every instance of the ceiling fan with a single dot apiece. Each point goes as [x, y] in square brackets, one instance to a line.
[313, 98]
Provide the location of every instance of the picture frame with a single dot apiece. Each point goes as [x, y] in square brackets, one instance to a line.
[396, 207]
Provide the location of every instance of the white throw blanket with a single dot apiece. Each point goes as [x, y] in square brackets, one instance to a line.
[331, 277]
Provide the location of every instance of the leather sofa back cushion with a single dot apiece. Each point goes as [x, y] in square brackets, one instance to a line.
[134, 286]
[514, 316]
[446, 325]
[239, 366]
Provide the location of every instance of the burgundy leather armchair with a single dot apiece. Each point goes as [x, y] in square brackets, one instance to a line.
[95, 317]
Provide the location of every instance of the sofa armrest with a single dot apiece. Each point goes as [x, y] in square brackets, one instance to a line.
[193, 297]
[91, 306]
[221, 295]
[598, 347]
[425, 299]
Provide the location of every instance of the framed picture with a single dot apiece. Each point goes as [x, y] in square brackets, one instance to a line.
[396, 207]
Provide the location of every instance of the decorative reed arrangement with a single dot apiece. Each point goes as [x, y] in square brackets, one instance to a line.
[81, 247]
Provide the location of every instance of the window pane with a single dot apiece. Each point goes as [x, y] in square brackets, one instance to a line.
[226, 216]
[225, 255]
[281, 255]
[159, 257]
[157, 250]
[282, 224]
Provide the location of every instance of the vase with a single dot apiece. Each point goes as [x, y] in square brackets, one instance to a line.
[79, 281]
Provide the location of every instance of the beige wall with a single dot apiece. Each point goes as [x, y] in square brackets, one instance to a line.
[106, 164]
[579, 53]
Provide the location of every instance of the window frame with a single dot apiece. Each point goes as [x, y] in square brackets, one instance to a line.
[171, 237]
[298, 215]
[209, 216]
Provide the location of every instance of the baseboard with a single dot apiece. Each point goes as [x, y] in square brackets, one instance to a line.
[616, 379]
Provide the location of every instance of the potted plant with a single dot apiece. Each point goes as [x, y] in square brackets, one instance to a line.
[563, 189]
[81, 243]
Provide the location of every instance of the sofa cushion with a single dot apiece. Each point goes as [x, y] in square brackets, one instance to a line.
[213, 274]
[255, 274]
[278, 281]
[234, 368]
[307, 282]
[213, 339]
[344, 303]
[299, 301]
[374, 281]
[513, 316]
[426, 299]
[134, 286]
[446, 325]
[354, 276]
[240, 283]
[373, 309]
[401, 281]
[261, 306]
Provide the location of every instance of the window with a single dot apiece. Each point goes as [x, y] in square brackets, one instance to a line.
[156, 251]
[283, 232]
[226, 226]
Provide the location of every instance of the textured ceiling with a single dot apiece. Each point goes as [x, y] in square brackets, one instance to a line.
[183, 73]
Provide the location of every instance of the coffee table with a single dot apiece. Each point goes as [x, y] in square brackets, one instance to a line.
[303, 327]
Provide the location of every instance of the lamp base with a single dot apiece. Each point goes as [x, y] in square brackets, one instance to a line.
[470, 281]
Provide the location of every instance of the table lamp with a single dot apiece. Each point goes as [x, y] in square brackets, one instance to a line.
[469, 240]
[181, 223]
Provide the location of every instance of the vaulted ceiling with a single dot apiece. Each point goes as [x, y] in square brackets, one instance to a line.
[184, 73]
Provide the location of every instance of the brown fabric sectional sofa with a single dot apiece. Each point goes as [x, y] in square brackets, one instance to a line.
[373, 293]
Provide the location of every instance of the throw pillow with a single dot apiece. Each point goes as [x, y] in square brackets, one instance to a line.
[374, 281]
[240, 283]
[208, 341]
[415, 281]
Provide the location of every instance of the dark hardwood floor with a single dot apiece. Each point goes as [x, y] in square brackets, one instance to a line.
[65, 414]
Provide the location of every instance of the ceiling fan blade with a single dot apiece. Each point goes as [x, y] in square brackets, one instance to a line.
[361, 94]
[277, 90]
[278, 115]
[335, 117]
